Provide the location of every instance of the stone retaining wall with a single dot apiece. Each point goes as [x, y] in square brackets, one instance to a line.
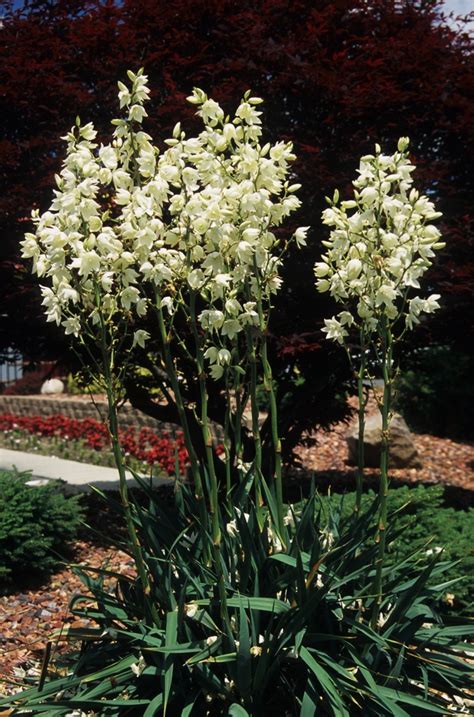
[79, 408]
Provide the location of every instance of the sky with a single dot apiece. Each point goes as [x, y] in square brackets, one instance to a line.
[460, 7]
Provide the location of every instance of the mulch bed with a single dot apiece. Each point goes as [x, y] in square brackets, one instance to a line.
[35, 615]
[31, 616]
[443, 461]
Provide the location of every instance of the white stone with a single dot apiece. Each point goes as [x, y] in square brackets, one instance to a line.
[52, 386]
[37, 482]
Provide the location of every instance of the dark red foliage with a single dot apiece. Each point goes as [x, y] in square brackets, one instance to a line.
[336, 75]
[28, 384]
[144, 445]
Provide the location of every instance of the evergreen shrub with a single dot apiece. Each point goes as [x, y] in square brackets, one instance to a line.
[35, 522]
[423, 520]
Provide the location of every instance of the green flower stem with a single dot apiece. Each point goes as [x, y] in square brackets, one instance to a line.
[384, 457]
[119, 462]
[213, 493]
[221, 587]
[198, 486]
[205, 426]
[252, 358]
[227, 441]
[239, 412]
[362, 402]
[108, 368]
[269, 388]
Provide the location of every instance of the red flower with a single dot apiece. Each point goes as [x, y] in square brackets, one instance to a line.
[144, 444]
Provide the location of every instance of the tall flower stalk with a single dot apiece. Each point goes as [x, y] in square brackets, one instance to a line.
[387, 377]
[361, 374]
[205, 424]
[112, 400]
[381, 243]
[272, 402]
[184, 239]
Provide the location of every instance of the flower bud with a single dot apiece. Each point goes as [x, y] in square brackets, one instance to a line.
[403, 143]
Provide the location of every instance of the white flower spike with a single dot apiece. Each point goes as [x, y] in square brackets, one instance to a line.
[128, 222]
[381, 244]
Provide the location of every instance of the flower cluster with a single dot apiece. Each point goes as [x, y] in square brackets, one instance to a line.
[129, 225]
[381, 243]
[144, 444]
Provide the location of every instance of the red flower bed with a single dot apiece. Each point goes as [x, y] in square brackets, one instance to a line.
[143, 444]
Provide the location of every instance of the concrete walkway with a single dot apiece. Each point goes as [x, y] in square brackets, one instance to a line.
[78, 477]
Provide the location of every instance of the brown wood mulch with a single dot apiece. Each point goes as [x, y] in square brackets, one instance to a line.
[443, 461]
[32, 616]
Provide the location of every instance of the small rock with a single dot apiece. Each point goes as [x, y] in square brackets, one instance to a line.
[37, 482]
[52, 386]
[402, 452]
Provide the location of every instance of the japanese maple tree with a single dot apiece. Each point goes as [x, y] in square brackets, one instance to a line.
[336, 77]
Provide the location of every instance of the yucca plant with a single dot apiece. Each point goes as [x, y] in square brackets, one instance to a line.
[240, 605]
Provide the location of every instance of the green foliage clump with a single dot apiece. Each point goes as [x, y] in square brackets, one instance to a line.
[35, 521]
[423, 522]
[79, 384]
[435, 392]
[299, 639]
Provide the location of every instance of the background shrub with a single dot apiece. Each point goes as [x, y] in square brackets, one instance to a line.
[35, 521]
[425, 519]
[435, 392]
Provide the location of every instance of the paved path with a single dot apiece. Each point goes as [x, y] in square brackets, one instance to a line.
[78, 477]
